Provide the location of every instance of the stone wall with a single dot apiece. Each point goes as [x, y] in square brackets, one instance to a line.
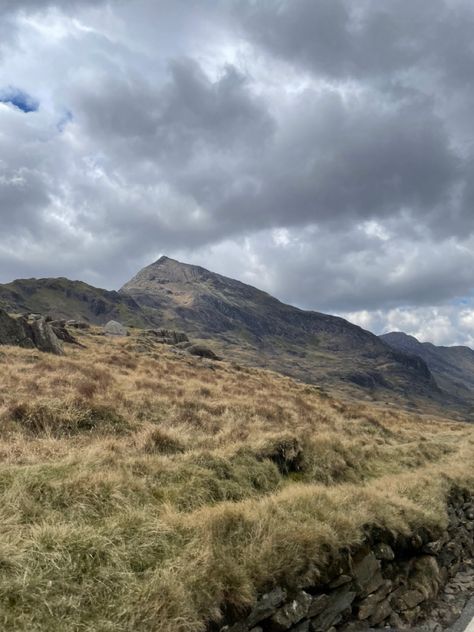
[388, 581]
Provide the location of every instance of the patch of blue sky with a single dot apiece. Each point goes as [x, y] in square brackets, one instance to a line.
[19, 99]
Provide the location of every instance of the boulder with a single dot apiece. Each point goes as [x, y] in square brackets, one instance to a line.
[114, 328]
[61, 331]
[44, 337]
[21, 333]
[15, 331]
[202, 352]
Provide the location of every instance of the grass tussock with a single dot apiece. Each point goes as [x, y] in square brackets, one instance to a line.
[142, 490]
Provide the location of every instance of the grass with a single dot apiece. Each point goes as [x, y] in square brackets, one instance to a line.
[143, 490]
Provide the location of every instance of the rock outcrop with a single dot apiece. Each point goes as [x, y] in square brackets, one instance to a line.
[15, 331]
[165, 336]
[63, 333]
[44, 337]
[202, 351]
[26, 333]
[390, 580]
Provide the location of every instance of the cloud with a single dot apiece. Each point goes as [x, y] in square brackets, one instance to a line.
[320, 149]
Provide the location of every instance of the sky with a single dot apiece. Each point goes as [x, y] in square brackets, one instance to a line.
[321, 150]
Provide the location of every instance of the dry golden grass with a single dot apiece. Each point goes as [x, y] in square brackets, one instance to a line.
[141, 489]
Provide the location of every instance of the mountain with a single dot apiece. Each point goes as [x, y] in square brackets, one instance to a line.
[62, 298]
[452, 367]
[251, 327]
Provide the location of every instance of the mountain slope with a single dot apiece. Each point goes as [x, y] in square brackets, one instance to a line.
[453, 367]
[62, 298]
[250, 326]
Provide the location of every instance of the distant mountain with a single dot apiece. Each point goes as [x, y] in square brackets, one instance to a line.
[62, 298]
[452, 367]
[251, 327]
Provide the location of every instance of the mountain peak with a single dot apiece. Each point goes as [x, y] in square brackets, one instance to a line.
[164, 259]
[166, 271]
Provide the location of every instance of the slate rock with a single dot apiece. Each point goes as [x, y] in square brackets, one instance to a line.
[266, 606]
[366, 572]
[318, 605]
[339, 601]
[291, 613]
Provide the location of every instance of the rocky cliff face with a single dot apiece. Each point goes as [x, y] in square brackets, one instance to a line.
[252, 327]
[452, 367]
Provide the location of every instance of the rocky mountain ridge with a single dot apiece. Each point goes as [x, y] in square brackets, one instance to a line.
[249, 327]
[252, 327]
[61, 298]
[452, 367]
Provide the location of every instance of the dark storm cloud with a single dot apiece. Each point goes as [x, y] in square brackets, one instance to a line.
[175, 121]
[365, 39]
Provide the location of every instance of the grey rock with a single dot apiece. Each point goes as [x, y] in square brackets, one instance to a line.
[318, 605]
[381, 612]
[291, 613]
[369, 606]
[339, 601]
[409, 599]
[44, 337]
[21, 333]
[114, 328]
[15, 331]
[266, 606]
[384, 551]
[340, 581]
[61, 331]
[366, 572]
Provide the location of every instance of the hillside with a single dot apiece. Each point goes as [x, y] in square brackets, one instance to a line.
[452, 367]
[143, 489]
[62, 298]
[250, 326]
